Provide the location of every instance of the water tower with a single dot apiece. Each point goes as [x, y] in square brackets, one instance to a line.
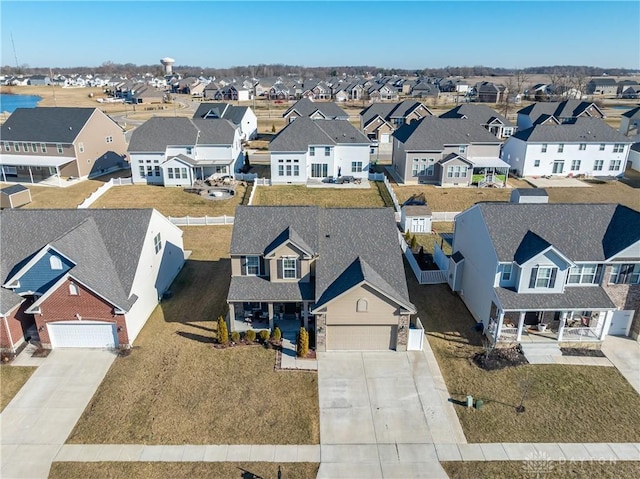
[167, 63]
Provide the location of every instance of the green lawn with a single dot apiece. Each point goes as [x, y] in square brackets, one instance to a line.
[175, 388]
[541, 470]
[168, 200]
[191, 470]
[12, 378]
[325, 197]
[565, 403]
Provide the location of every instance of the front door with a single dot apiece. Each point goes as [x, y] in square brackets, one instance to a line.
[558, 167]
[319, 170]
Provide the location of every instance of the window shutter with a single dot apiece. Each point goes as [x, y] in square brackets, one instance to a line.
[552, 281]
[243, 265]
[280, 275]
[298, 268]
[262, 269]
[532, 279]
[598, 277]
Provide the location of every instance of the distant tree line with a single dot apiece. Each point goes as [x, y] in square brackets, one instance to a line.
[281, 70]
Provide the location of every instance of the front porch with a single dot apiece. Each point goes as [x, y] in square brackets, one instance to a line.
[288, 316]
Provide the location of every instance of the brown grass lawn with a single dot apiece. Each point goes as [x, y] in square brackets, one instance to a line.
[53, 197]
[175, 388]
[12, 378]
[553, 470]
[565, 403]
[169, 201]
[191, 470]
[325, 197]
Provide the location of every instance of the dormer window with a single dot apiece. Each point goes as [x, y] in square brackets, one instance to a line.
[289, 268]
[506, 272]
[462, 149]
[252, 266]
[543, 277]
[55, 262]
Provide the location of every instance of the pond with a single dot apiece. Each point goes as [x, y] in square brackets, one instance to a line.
[9, 103]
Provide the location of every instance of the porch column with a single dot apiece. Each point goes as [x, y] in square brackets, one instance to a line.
[4, 177]
[30, 174]
[499, 326]
[563, 322]
[58, 175]
[608, 316]
[520, 326]
[270, 309]
[232, 317]
[305, 314]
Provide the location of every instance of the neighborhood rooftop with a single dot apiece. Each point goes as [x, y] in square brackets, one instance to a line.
[432, 134]
[583, 130]
[303, 132]
[477, 113]
[158, 133]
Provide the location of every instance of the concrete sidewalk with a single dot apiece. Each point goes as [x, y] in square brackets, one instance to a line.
[37, 422]
[624, 353]
[289, 358]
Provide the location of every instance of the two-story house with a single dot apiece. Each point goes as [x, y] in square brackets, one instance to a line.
[447, 152]
[602, 86]
[52, 144]
[315, 110]
[588, 146]
[241, 116]
[379, 120]
[569, 272]
[83, 277]
[555, 113]
[337, 272]
[484, 116]
[177, 151]
[312, 150]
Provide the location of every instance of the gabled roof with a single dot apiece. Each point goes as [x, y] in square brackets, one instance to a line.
[13, 189]
[605, 81]
[221, 110]
[306, 107]
[633, 112]
[432, 134]
[477, 113]
[304, 131]
[582, 232]
[561, 109]
[156, 134]
[47, 125]
[289, 235]
[183, 158]
[387, 111]
[584, 130]
[454, 156]
[104, 245]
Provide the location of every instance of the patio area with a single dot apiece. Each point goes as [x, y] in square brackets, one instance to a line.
[556, 181]
[316, 183]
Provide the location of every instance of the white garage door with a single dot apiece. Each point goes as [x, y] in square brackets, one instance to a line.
[83, 334]
[361, 338]
[419, 225]
[620, 323]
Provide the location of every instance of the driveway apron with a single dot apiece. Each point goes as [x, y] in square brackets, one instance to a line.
[37, 422]
[624, 353]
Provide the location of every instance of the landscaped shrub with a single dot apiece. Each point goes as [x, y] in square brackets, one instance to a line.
[250, 335]
[235, 337]
[303, 343]
[264, 335]
[223, 332]
[407, 237]
[273, 128]
[414, 242]
[277, 334]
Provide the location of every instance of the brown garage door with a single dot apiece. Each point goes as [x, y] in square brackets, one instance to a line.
[361, 338]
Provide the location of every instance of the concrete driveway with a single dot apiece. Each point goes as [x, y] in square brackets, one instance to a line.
[624, 353]
[381, 415]
[37, 422]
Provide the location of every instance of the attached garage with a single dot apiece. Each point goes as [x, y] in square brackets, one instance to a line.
[82, 334]
[620, 323]
[361, 338]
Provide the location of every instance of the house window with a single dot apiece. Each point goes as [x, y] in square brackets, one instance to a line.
[356, 166]
[170, 173]
[73, 289]
[289, 268]
[142, 175]
[43, 147]
[462, 149]
[582, 147]
[536, 163]
[25, 147]
[327, 151]
[288, 170]
[156, 170]
[614, 165]
[575, 165]
[189, 150]
[150, 170]
[280, 170]
[429, 170]
[55, 262]
[597, 165]
[157, 243]
[625, 274]
[601, 146]
[184, 173]
[506, 272]
[584, 274]
[312, 151]
[319, 170]
[362, 305]
[296, 170]
[81, 147]
[560, 147]
[59, 148]
[618, 148]
[7, 146]
[543, 277]
[450, 172]
[108, 139]
[543, 149]
[252, 266]
[34, 148]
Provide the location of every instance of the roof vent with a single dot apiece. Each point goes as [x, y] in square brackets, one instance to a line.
[70, 128]
[327, 236]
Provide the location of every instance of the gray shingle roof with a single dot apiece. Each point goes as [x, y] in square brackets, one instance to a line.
[584, 130]
[104, 243]
[221, 110]
[306, 107]
[582, 232]
[352, 244]
[47, 125]
[532, 191]
[560, 109]
[389, 110]
[299, 134]
[253, 289]
[432, 134]
[574, 297]
[631, 113]
[477, 113]
[13, 189]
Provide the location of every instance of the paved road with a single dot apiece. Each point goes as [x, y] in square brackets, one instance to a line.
[37, 422]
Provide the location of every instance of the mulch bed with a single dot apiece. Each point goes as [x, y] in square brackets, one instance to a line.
[41, 353]
[500, 358]
[592, 353]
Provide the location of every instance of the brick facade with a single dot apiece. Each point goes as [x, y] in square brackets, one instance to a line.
[61, 305]
[625, 297]
[403, 333]
[16, 322]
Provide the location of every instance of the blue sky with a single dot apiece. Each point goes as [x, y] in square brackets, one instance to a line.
[391, 34]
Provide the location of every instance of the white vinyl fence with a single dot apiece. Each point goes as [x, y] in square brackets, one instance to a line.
[444, 215]
[201, 220]
[93, 197]
[423, 276]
